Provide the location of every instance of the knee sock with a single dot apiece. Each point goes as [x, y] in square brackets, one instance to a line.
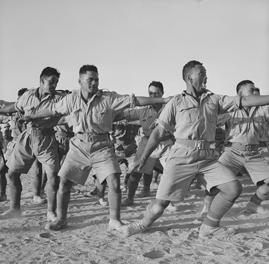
[147, 181]
[51, 197]
[114, 200]
[218, 208]
[3, 183]
[149, 216]
[62, 205]
[208, 200]
[15, 189]
[132, 185]
[258, 197]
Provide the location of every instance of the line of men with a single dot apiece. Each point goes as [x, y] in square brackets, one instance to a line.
[191, 117]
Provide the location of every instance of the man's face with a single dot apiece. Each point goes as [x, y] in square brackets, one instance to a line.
[247, 89]
[49, 84]
[6, 130]
[89, 82]
[256, 92]
[198, 78]
[155, 92]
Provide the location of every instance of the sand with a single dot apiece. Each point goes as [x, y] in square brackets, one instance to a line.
[172, 239]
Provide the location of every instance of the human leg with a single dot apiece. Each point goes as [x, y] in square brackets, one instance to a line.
[114, 200]
[3, 181]
[52, 188]
[147, 178]
[63, 198]
[228, 193]
[15, 189]
[37, 183]
[132, 187]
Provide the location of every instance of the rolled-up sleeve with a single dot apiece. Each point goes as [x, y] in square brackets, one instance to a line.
[229, 103]
[167, 116]
[61, 107]
[120, 102]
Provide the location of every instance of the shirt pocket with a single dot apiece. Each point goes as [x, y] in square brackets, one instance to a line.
[211, 112]
[188, 115]
[75, 117]
[102, 116]
[237, 124]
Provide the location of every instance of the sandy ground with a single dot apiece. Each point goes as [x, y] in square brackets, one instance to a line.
[172, 239]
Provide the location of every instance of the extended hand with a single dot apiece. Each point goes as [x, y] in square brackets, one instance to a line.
[136, 164]
[24, 119]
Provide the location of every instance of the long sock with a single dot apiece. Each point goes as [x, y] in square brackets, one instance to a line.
[133, 184]
[62, 205]
[114, 200]
[15, 189]
[149, 217]
[218, 208]
[51, 197]
[147, 181]
[258, 197]
[3, 183]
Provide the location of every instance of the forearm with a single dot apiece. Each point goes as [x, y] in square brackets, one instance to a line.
[255, 100]
[8, 109]
[41, 114]
[141, 101]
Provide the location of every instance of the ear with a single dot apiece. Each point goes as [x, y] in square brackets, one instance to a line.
[189, 78]
[79, 81]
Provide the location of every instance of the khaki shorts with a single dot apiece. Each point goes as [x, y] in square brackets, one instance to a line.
[80, 161]
[256, 165]
[30, 147]
[183, 164]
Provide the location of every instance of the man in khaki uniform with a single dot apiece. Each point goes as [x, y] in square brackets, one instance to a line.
[92, 112]
[192, 118]
[36, 142]
[244, 144]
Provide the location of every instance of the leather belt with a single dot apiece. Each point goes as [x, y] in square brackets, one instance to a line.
[40, 132]
[199, 144]
[64, 134]
[92, 137]
[248, 147]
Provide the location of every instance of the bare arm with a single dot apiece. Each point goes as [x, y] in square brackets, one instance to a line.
[10, 109]
[119, 116]
[255, 100]
[141, 101]
[41, 114]
[155, 138]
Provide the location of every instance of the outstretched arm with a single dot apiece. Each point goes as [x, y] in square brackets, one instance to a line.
[255, 100]
[155, 138]
[9, 109]
[141, 101]
[41, 114]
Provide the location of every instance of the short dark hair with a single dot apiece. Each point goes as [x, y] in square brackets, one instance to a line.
[49, 71]
[256, 89]
[86, 68]
[189, 66]
[242, 83]
[22, 91]
[157, 84]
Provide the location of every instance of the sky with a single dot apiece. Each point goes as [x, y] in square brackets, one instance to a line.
[133, 42]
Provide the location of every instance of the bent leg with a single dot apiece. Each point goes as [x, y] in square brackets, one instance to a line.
[228, 193]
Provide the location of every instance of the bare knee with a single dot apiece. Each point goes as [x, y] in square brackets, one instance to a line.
[231, 190]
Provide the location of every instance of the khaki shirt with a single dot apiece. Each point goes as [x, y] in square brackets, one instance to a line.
[146, 115]
[94, 116]
[29, 104]
[246, 128]
[184, 117]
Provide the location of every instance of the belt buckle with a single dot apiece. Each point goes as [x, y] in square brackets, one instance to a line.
[200, 144]
[248, 148]
[89, 137]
